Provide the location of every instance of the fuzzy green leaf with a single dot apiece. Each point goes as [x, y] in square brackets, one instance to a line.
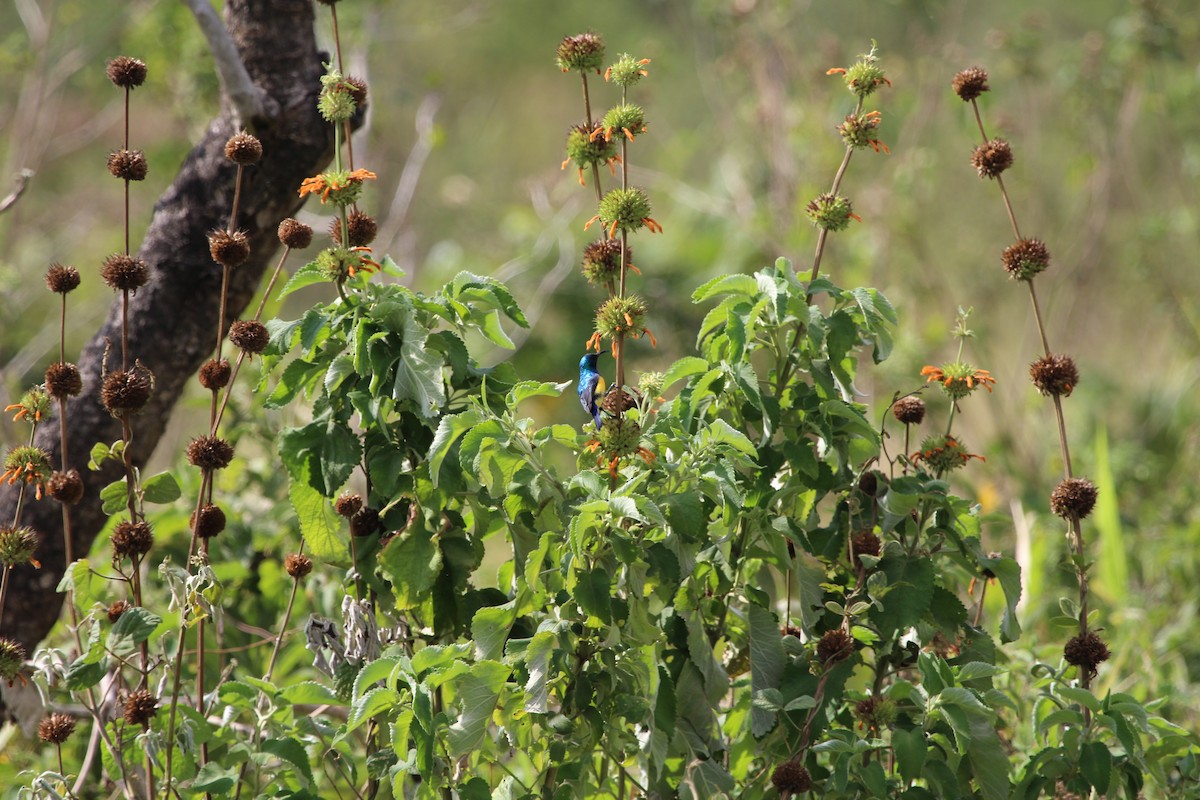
[478, 691]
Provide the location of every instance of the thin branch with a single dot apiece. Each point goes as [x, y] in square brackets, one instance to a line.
[250, 101]
[22, 180]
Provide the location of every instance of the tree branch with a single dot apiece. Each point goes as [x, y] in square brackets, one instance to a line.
[253, 105]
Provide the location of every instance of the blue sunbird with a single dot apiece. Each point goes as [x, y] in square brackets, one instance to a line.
[591, 386]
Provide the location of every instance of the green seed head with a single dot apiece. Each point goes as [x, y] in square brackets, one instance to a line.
[627, 70]
[624, 120]
[581, 53]
[831, 212]
[621, 315]
[584, 151]
[627, 209]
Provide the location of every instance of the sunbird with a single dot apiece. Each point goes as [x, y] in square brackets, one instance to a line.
[591, 386]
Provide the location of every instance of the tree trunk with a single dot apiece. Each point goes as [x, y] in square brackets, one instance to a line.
[173, 318]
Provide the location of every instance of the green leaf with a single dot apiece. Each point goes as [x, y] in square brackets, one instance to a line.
[291, 751]
[739, 284]
[593, 593]
[339, 369]
[720, 432]
[537, 664]
[449, 429]
[527, 389]
[988, 760]
[212, 777]
[1008, 574]
[161, 489]
[489, 629]
[84, 674]
[133, 628]
[716, 680]
[319, 524]
[419, 372]
[767, 661]
[1095, 762]
[376, 701]
[114, 497]
[910, 582]
[311, 273]
[1081, 696]
[683, 368]
[411, 562]
[310, 693]
[910, 750]
[478, 691]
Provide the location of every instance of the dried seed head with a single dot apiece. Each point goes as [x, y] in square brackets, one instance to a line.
[56, 728]
[62, 279]
[348, 504]
[229, 249]
[17, 545]
[65, 487]
[602, 261]
[1073, 497]
[295, 234]
[126, 72]
[830, 212]
[1054, 375]
[909, 410]
[580, 53]
[209, 453]
[140, 706]
[12, 658]
[992, 158]
[364, 522]
[297, 565]
[124, 272]
[791, 777]
[835, 646]
[127, 390]
[1025, 258]
[210, 522]
[131, 539]
[242, 148]
[791, 630]
[970, 83]
[869, 483]
[944, 454]
[128, 165]
[214, 374]
[1086, 651]
[63, 380]
[358, 90]
[865, 543]
[249, 335]
[875, 712]
[359, 225]
[117, 609]
[619, 401]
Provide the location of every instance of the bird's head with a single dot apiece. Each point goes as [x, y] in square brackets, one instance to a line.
[589, 361]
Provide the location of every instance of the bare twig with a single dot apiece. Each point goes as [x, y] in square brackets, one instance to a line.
[251, 102]
[22, 180]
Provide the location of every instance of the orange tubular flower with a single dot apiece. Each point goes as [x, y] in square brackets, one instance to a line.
[328, 183]
[958, 379]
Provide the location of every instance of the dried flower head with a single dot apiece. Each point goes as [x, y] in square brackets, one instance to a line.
[875, 713]
[586, 150]
[1054, 375]
[1025, 258]
[790, 778]
[859, 131]
[128, 165]
[958, 379]
[215, 374]
[360, 228]
[943, 454]
[581, 53]
[33, 405]
[243, 148]
[992, 158]
[126, 72]
[1073, 497]
[56, 728]
[834, 647]
[63, 380]
[348, 504]
[602, 261]
[970, 83]
[131, 539]
[297, 565]
[864, 76]
[909, 410]
[364, 522]
[618, 401]
[65, 487]
[62, 279]
[229, 248]
[126, 391]
[627, 210]
[12, 658]
[209, 522]
[209, 453]
[27, 464]
[124, 272]
[1086, 651]
[140, 706]
[118, 608]
[831, 212]
[627, 70]
[294, 234]
[249, 335]
[865, 543]
[17, 546]
[869, 483]
[357, 87]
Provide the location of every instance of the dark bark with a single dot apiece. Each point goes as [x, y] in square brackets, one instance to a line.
[172, 320]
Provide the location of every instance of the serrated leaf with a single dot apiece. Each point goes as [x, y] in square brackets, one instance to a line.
[683, 368]
[319, 524]
[161, 488]
[131, 629]
[527, 389]
[720, 432]
[593, 594]
[737, 284]
[478, 691]
[411, 562]
[1095, 762]
[911, 589]
[767, 661]
[489, 629]
[376, 701]
[291, 751]
[449, 429]
[537, 664]
[310, 693]
[910, 748]
[214, 778]
[114, 497]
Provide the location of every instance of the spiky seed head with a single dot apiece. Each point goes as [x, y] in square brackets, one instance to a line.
[866, 75]
[126, 72]
[243, 148]
[132, 539]
[140, 706]
[297, 565]
[1025, 258]
[834, 647]
[128, 165]
[364, 522]
[127, 391]
[870, 482]
[619, 437]
[348, 504]
[970, 83]
[12, 658]
[865, 543]
[992, 158]
[62, 279]
[627, 70]
[360, 226]
[56, 728]
[357, 87]
[118, 608]
[650, 384]
[229, 248]
[618, 315]
[294, 234]
[65, 487]
[909, 410]
[583, 52]
[123, 272]
[210, 521]
[28, 464]
[831, 212]
[63, 380]
[625, 117]
[17, 545]
[791, 778]
[618, 401]
[627, 208]
[1054, 375]
[33, 405]
[215, 374]
[943, 453]
[249, 335]
[584, 150]
[1086, 651]
[209, 453]
[1073, 497]
[860, 131]
[875, 712]
[602, 261]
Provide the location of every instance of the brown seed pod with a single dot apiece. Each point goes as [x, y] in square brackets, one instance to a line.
[63, 380]
[126, 72]
[124, 272]
[229, 248]
[128, 165]
[791, 777]
[12, 659]
[619, 401]
[295, 234]
[140, 706]
[348, 504]
[1086, 651]
[56, 728]
[249, 335]
[62, 279]
[970, 83]
[214, 374]
[1073, 497]
[909, 410]
[297, 565]
[992, 158]
[209, 453]
[834, 647]
[126, 391]
[65, 487]
[244, 149]
[358, 90]
[1025, 258]
[364, 522]
[1054, 375]
[210, 522]
[359, 225]
[117, 609]
[865, 543]
[132, 539]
